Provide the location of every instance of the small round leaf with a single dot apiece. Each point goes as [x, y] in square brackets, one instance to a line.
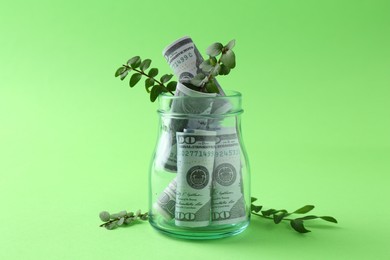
[122, 213]
[224, 70]
[112, 225]
[172, 86]
[156, 90]
[230, 44]
[145, 64]
[114, 216]
[123, 75]
[214, 49]
[211, 87]
[129, 220]
[229, 59]
[134, 62]
[135, 78]
[165, 78]
[120, 71]
[153, 72]
[120, 221]
[104, 216]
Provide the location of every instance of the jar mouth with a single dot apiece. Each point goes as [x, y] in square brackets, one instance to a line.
[200, 106]
[229, 94]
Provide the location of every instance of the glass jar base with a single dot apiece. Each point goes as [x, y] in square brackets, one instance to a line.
[204, 233]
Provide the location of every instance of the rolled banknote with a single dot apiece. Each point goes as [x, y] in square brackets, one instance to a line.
[184, 59]
[194, 177]
[228, 204]
[166, 202]
[166, 155]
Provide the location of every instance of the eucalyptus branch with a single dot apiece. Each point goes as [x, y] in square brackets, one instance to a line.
[153, 86]
[282, 215]
[112, 221]
[212, 67]
[146, 75]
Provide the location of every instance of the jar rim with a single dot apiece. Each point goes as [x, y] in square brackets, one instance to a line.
[228, 105]
[229, 94]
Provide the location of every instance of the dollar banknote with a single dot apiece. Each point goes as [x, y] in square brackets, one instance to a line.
[195, 161]
[166, 153]
[228, 204]
[166, 202]
[184, 59]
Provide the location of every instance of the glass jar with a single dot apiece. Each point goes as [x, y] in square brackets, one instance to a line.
[199, 186]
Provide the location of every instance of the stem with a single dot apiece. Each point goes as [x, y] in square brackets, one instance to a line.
[268, 217]
[210, 76]
[133, 217]
[146, 75]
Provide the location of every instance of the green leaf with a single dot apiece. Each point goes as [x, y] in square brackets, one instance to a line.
[214, 49]
[114, 216]
[120, 221]
[213, 61]
[211, 87]
[215, 70]
[172, 86]
[309, 217]
[149, 82]
[224, 70]
[122, 213]
[205, 66]
[129, 220]
[120, 70]
[330, 219]
[230, 44]
[156, 90]
[326, 218]
[123, 75]
[165, 78]
[135, 78]
[255, 208]
[145, 64]
[304, 209]
[104, 216]
[279, 216]
[229, 59]
[297, 224]
[112, 225]
[153, 72]
[134, 62]
[269, 212]
[253, 199]
[198, 79]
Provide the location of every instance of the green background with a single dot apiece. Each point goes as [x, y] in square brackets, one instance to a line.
[74, 140]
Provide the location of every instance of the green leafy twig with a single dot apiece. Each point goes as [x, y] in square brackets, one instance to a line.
[153, 86]
[214, 66]
[279, 215]
[122, 218]
[220, 62]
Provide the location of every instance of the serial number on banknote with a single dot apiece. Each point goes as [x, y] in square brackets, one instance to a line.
[181, 60]
[210, 153]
